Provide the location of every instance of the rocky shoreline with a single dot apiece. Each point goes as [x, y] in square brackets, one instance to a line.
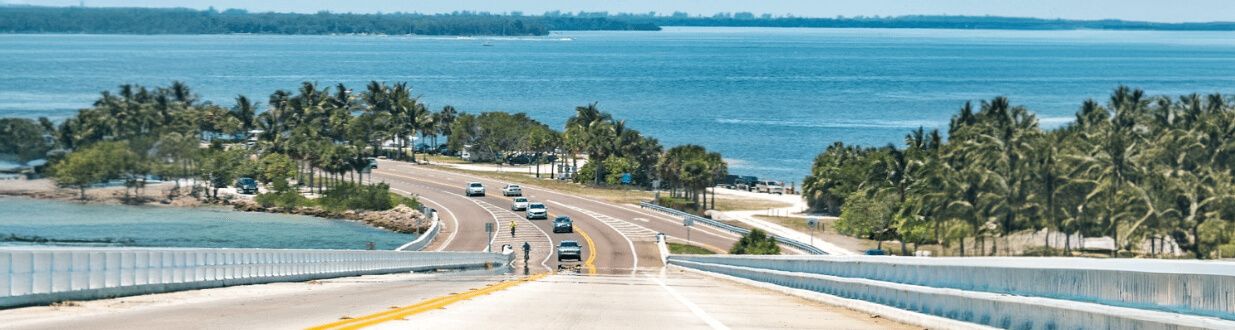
[401, 219]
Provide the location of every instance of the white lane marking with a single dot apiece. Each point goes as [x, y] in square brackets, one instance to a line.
[492, 236]
[487, 206]
[707, 230]
[453, 218]
[634, 255]
[712, 322]
[641, 219]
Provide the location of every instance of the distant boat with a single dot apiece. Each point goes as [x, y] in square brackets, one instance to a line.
[487, 44]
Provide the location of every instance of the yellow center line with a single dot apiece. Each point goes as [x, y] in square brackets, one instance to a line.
[423, 306]
[590, 263]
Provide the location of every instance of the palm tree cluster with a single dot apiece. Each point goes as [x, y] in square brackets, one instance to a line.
[689, 170]
[1150, 173]
[612, 148]
[329, 133]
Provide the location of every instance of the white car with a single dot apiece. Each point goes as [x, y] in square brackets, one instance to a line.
[519, 204]
[537, 211]
[770, 186]
[512, 190]
[475, 189]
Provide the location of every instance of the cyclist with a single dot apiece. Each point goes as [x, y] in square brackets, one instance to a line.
[512, 228]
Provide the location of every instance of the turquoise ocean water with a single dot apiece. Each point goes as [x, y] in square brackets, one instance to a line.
[768, 99]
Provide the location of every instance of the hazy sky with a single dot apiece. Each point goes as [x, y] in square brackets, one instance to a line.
[1141, 10]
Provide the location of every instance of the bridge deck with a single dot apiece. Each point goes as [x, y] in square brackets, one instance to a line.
[646, 300]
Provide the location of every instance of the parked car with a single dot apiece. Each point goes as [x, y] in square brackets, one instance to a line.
[372, 163]
[475, 189]
[537, 211]
[730, 181]
[875, 252]
[520, 159]
[512, 190]
[519, 204]
[771, 187]
[569, 250]
[746, 183]
[562, 224]
[422, 147]
[246, 186]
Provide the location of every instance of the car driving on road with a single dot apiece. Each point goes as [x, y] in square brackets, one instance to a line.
[569, 250]
[537, 211]
[562, 224]
[512, 190]
[519, 204]
[475, 189]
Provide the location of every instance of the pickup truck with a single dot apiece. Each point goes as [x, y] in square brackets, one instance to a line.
[771, 187]
[569, 250]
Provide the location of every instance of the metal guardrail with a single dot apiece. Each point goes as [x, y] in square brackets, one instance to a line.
[731, 228]
[1186, 287]
[41, 275]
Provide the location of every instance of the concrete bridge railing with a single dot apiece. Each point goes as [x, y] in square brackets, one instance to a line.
[1030, 293]
[810, 249]
[40, 275]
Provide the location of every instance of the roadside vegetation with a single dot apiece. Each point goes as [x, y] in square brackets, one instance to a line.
[1151, 173]
[308, 143]
[678, 248]
[755, 242]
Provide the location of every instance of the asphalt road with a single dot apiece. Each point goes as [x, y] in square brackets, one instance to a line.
[622, 236]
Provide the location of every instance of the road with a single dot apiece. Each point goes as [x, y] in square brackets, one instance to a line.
[646, 300]
[621, 283]
[621, 237]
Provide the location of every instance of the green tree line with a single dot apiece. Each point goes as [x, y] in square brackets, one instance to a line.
[37, 19]
[322, 137]
[1141, 170]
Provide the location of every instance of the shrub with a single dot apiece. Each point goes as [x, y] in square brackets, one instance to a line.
[349, 196]
[680, 204]
[282, 199]
[755, 242]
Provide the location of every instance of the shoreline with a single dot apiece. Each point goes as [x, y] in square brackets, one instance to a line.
[400, 219]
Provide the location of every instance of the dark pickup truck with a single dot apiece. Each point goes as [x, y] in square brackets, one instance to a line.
[569, 250]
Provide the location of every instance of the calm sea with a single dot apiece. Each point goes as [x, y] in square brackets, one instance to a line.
[768, 99]
[73, 224]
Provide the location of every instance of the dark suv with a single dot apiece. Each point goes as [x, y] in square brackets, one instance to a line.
[562, 224]
[246, 186]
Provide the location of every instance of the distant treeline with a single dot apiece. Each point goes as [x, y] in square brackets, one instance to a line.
[912, 22]
[36, 19]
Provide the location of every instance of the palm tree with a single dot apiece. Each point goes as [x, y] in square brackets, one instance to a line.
[442, 121]
[245, 111]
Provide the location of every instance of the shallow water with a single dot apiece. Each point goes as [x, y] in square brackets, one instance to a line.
[48, 222]
[768, 99]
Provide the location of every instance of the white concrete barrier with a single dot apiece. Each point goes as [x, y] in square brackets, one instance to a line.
[1183, 290]
[40, 275]
[421, 242]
